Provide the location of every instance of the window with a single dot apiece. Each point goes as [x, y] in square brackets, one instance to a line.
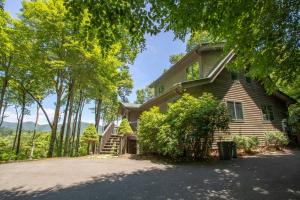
[192, 72]
[234, 76]
[235, 110]
[267, 113]
[161, 89]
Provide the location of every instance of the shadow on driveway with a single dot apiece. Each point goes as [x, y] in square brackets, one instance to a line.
[264, 177]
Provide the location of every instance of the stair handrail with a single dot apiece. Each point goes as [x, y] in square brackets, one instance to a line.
[106, 134]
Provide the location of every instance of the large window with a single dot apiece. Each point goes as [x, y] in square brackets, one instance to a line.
[161, 89]
[235, 110]
[267, 113]
[192, 72]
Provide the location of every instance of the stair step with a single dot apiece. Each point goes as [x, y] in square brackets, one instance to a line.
[110, 148]
[109, 145]
[114, 136]
[113, 153]
[109, 142]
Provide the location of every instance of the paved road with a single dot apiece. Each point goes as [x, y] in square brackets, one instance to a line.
[263, 177]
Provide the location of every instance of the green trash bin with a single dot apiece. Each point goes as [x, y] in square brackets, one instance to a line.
[225, 150]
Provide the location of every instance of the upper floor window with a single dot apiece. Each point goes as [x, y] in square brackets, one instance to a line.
[192, 72]
[235, 110]
[234, 76]
[267, 112]
[161, 89]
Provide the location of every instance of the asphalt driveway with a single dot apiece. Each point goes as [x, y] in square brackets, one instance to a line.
[261, 177]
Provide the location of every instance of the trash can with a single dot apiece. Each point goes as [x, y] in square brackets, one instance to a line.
[225, 150]
[234, 152]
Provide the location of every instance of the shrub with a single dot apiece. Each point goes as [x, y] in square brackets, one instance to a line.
[246, 143]
[149, 126]
[186, 130]
[89, 137]
[277, 139]
[125, 128]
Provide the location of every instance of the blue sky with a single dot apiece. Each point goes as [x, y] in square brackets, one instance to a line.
[148, 65]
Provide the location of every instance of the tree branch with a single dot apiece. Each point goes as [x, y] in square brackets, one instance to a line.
[41, 106]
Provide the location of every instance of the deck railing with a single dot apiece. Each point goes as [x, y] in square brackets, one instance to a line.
[106, 134]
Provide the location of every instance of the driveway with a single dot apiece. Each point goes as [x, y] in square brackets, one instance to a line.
[260, 177]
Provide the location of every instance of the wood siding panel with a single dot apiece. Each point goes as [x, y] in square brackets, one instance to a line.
[252, 97]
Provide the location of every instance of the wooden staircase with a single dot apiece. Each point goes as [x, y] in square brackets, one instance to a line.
[111, 146]
[110, 142]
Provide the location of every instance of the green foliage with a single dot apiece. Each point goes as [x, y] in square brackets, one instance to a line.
[193, 71]
[246, 143]
[294, 117]
[41, 144]
[115, 21]
[197, 38]
[173, 59]
[90, 134]
[150, 125]
[276, 139]
[125, 128]
[144, 95]
[186, 130]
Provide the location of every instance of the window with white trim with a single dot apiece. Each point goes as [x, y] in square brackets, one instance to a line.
[235, 110]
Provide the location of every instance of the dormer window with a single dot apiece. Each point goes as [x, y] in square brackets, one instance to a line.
[192, 72]
[161, 89]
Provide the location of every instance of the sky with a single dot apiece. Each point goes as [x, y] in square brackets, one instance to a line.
[148, 65]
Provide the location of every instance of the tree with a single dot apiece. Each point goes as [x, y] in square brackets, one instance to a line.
[90, 137]
[263, 34]
[199, 37]
[125, 128]
[144, 95]
[116, 21]
[173, 59]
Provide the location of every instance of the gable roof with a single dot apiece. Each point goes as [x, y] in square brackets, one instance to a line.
[179, 87]
[199, 48]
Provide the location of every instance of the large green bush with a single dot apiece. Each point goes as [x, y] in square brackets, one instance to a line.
[149, 127]
[276, 139]
[125, 128]
[246, 143]
[186, 130]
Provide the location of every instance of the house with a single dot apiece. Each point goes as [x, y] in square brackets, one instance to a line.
[252, 110]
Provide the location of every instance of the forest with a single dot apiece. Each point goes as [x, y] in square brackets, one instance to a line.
[79, 51]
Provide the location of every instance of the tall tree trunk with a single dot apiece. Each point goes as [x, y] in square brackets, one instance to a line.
[98, 103]
[59, 92]
[21, 124]
[3, 112]
[74, 126]
[62, 129]
[34, 131]
[79, 129]
[68, 131]
[3, 91]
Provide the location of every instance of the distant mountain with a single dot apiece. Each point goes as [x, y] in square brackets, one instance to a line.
[29, 126]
